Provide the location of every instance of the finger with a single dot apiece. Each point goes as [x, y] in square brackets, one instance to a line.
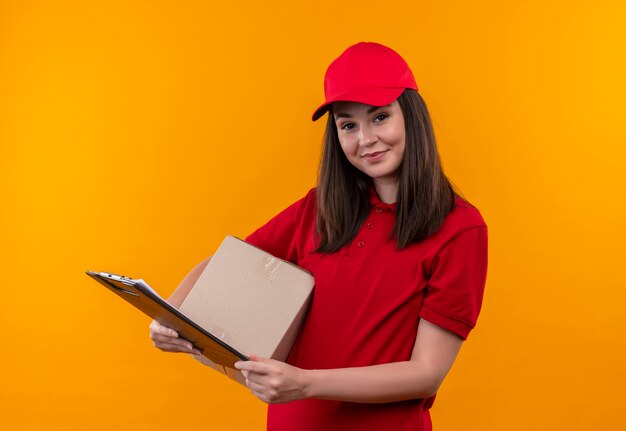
[157, 328]
[262, 360]
[163, 335]
[255, 387]
[252, 366]
[264, 380]
[257, 382]
[183, 344]
[261, 395]
[256, 358]
[170, 340]
[251, 359]
[173, 348]
[176, 346]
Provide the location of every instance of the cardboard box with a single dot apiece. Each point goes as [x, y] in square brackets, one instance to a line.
[251, 300]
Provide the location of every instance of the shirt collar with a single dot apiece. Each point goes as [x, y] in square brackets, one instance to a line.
[375, 201]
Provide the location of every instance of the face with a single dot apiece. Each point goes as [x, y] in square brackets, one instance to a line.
[372, 138]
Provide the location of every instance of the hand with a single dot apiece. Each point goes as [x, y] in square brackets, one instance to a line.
[166, 339]
[273, 381]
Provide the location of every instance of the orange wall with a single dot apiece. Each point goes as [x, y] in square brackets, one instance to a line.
[135, 135]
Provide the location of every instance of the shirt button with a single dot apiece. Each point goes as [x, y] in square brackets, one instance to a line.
[379, 210]
[370, 225]
[360, 244]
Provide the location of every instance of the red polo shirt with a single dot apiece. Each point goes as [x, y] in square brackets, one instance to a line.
[367, 302]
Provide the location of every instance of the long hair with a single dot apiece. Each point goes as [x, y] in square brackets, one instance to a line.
[425, 195]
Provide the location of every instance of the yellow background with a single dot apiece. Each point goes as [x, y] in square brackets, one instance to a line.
[134, 135]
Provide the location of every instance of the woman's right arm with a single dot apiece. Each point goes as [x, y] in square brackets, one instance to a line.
[166, 339]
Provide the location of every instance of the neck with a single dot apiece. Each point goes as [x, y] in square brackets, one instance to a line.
[387, 190]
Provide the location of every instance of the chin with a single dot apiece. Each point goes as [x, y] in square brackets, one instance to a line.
[380, 173]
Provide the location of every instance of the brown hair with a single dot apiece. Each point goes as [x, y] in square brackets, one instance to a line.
[425, 195]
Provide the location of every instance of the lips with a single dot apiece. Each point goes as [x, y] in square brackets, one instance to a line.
[375, 155]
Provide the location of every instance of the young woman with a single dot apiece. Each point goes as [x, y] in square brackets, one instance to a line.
[399, 262]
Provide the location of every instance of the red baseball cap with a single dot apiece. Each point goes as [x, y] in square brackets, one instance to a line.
[367, 72]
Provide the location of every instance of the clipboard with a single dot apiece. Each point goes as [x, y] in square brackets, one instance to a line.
[140, 295]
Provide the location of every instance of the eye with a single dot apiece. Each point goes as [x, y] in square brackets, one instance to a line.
[380, 117]
[347, 126]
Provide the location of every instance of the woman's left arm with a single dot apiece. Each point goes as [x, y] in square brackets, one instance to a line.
[434, 353]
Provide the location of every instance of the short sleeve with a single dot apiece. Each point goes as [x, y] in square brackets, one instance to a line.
[282, 235]
[454, 292]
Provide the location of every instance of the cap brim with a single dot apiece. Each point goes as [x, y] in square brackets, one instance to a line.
[369, 96]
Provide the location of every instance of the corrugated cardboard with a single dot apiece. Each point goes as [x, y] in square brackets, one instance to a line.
[251, 300]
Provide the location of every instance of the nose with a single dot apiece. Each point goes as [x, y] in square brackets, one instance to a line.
[367, 136]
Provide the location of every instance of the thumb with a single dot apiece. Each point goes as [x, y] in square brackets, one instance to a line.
[257, 358]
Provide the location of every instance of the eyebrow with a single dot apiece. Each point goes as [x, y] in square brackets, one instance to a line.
[369, 111]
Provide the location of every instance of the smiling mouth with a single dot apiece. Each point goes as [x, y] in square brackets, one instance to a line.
[372, 155]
